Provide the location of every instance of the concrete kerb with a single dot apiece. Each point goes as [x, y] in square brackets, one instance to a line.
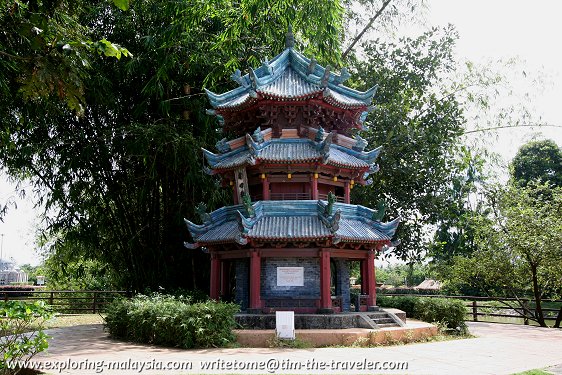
[414, 330]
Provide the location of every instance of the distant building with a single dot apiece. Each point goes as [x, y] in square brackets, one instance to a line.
[429, 284]
[10, 274]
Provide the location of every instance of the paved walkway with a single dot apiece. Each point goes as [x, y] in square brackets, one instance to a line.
[498, 349]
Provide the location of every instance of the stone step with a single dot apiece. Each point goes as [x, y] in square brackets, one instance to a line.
[383, 320]
[384, 325]
[380, 314]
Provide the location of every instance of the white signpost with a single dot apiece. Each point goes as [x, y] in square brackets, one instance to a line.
[285, 324]
[290, 276]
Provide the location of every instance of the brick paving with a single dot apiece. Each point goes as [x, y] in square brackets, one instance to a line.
[498, 349]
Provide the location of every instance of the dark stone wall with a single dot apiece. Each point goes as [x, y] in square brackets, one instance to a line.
[242, 290]
[311, 288]
[342, 282]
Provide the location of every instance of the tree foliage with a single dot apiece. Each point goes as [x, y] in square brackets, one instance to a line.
[540, 161]
[46, 51]
[419, 124]
[519, 246]
[118, 180]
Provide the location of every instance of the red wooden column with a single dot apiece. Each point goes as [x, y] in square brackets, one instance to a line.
[364, 280]
[325, 295]
[265, 187]
[255, 278]
[314, 186]
[347, 193]
[371, 279]
[215, 277]
[225, 280]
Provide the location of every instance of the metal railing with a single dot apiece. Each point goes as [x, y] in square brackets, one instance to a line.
[289, 196]
[67, 301]
[324, 197]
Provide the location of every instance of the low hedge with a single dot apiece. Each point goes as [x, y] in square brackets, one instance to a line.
[172, 321]
[447, 312]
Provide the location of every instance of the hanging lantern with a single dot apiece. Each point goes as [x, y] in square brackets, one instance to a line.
[316, 176]
[352, 182]
[263, 176]
[289, 176]
[335, 178]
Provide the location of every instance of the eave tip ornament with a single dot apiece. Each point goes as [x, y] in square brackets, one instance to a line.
[289, 38]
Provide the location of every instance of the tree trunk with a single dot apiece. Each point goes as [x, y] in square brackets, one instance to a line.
[538, 309]
[558, 318]
[367, 27]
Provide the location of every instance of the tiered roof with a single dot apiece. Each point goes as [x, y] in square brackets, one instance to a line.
[292, 151]
[292, 221]
[269, 96]
[292, 77]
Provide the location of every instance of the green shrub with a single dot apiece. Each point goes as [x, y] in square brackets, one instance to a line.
[449, 313]
[172, 321]
[21, 333]
[404, 303]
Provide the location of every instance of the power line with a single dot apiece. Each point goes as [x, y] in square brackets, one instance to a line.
[513, 126]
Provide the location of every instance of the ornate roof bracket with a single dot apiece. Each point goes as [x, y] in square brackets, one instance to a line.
[191, 246]
[267, 68]
[223, 146]
[195, 229]
[373, 168]
[344, 76]
[208, 171]
[360, 143]
[324, 147]
[257, 135]
[201, 210]
[326, 77]
[319, 135]
[248, 207]
[388, 228]
[238, 78]
[245, 224]
[254, 80]
[311, 66]
[252, 146]
[378, 215]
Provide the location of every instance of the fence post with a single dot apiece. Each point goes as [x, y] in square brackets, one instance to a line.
[95, 302]
[51, 298]
[525, 312]
[474, 311]
[5, 297]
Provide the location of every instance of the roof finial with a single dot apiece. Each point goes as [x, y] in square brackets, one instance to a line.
[290, 38]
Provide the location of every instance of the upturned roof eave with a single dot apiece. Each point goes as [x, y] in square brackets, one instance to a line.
[270, 71]
[310, 208]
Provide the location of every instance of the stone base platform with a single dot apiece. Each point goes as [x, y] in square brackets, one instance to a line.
[315, 321]
[413, 330]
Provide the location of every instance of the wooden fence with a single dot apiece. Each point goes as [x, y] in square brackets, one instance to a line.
[67, 301]
[477, 307]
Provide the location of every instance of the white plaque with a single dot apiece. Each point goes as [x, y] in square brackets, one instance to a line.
[290, 276]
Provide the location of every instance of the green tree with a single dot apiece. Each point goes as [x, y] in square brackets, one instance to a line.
[519, 247]
[45, 51]
[118, 180]
[538, 161]
[418, 121]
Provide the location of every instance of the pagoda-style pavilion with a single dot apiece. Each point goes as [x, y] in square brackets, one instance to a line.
[288, 240]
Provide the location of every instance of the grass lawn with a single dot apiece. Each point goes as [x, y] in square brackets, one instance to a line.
[69, 320]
